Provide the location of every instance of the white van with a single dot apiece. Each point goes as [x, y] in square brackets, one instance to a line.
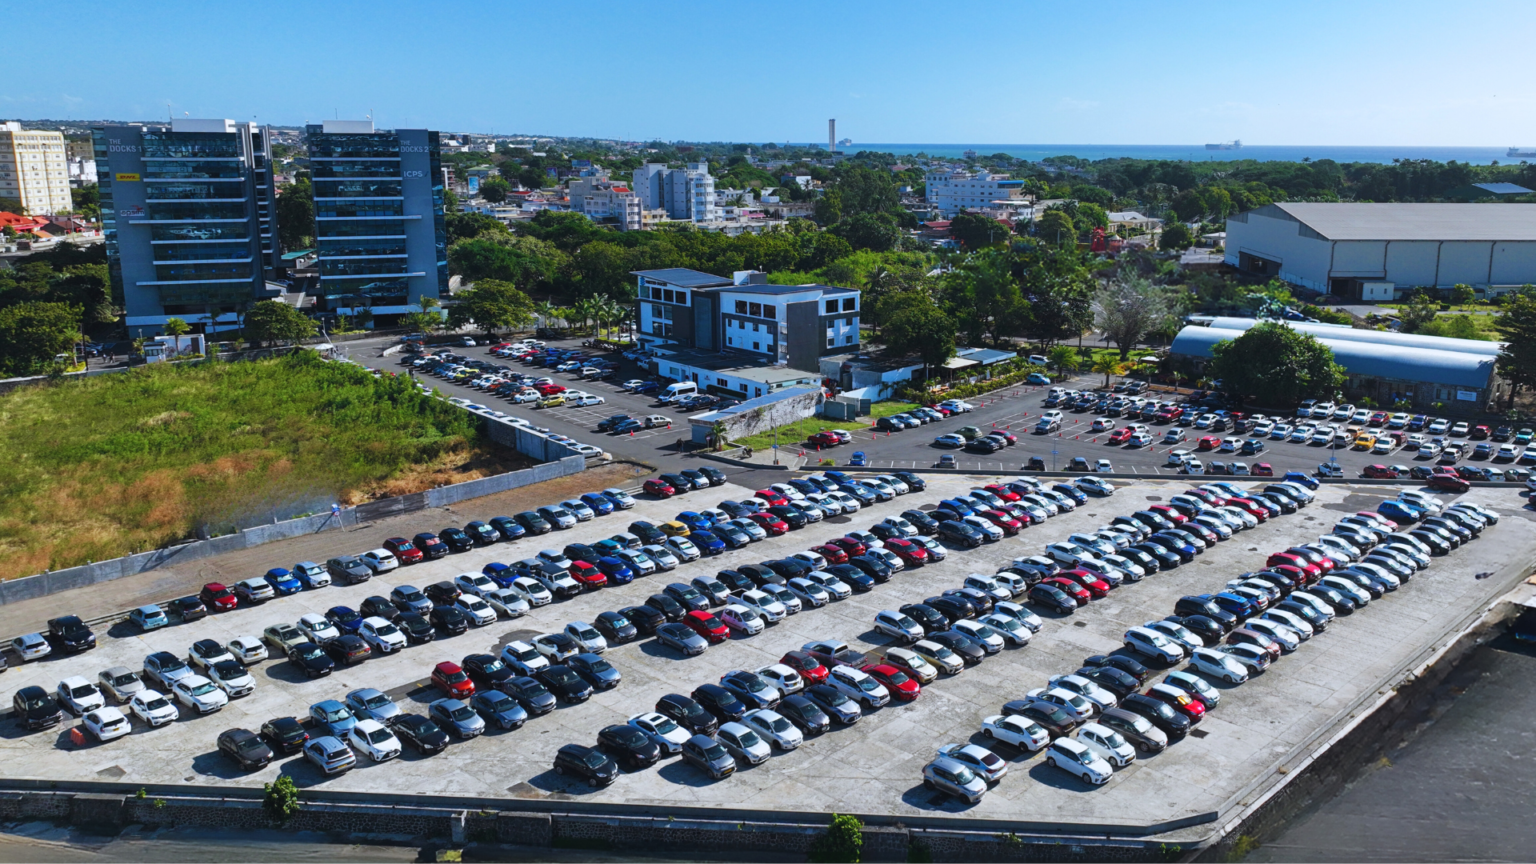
[673, 392]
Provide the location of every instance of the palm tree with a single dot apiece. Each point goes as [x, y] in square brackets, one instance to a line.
[547, 313]
[1107, 365]
[1063, 358]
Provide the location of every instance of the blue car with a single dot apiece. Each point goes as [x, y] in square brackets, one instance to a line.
[346, 619]
[1303, 478]
[617, 571]
[707, 542]
[647, 387]
[283, 582]
[311, 574]
[333, 717]
[1070, 491]
[956, 506]
[838, 477]
[695, 521]
[865, 495]
[1399, 511]
[598, 502]
[1037, 378]
[737, 509]
[499, 573]
[858, 460]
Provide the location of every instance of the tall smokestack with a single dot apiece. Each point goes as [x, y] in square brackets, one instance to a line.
[832, 135]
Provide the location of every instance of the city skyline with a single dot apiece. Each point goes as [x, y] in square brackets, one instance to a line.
[896, 73]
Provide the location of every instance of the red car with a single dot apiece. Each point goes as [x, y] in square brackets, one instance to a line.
[773, 498]
[1120, 436]
[450, 678]
[1170, 414]
[707, 625]
[1010, 525]
[1005, 435]
[549, 389]
[1378, 418]
[1447, 483]
[1071, 588]
[809, 667]
[1207, 496]
[833, 554]
[1297, 575]
[853, 547]
[1313, 571]
[659, 488]
[1379, 472]
[1169, 513]
[1209, 442]
[1313, 556]
[902, 687]
[1245, 636]
[1096, 587]
[1003, 492]
[824, 439]
[1478, 433]
[1263, 469]
[1379, 519]
[910, 553]
[588, 575]
[403, 549]
[1250, 507]
[770, 523]
[217, 597]
[1179, 701]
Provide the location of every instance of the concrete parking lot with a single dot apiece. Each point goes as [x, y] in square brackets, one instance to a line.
[872, 767]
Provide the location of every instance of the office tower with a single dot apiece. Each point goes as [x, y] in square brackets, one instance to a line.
[33, 170]
[379, 228]
[187, 212]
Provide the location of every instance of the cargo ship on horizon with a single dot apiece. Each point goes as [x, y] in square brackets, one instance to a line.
[1226, 145]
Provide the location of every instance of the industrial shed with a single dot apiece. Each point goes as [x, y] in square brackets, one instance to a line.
[1370, 252]
[1382, 365]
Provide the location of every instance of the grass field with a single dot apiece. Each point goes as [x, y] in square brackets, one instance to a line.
[798, 431]
[127, 462]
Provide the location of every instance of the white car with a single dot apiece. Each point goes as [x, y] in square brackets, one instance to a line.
[808, 593]
[531, 591]
[1218, 664]
[763, 604]
[990, 640]
[788, 491]
[232, 678]
[374, 740]
[1107, 744]
[1020, 613]
[587, 637]
[1254, 658]
[381, 635]
[477, 584]
[773, 728]
[317, 628]
[662, 558]
[523, 658]
[669, 736]
[476, 610]
[507, 602]
[78, 695]
[743, 743]
[898, 626]
[1290, 620]
[784, 596]
[1193, 684]
[247, 649]
[106, 723]
[980, 760]
[835, 587]
[31, 646]
[740, 619]
[683, 548]
[1086, 689]
[379, 560]
[153, 708]
[816, 561]
[859, 687]
[1020, 732]
[257, 590]
[988, 585]
[1074, 757]
[199, 694]
[1150, 643]
[831, 505]
[782, 677]
[1289, 639]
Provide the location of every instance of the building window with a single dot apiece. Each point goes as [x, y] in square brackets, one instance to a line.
[755, 310]
[754, 327]
[849, 304]
[770, 311]
[831, 306]
[741, 307]
[829, 341]
[756, 346]
[847, 340]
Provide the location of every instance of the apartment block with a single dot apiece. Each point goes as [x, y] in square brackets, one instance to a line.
[380, 234]
[34, 170]
[188, 216]
[684, 193]
[602, 200]
[952, 191]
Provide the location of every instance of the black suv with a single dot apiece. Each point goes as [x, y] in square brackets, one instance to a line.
[588, 763]
[456, 540]
[349, 570]
[35, 709]
[71, 634]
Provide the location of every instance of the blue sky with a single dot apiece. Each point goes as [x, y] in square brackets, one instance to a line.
[1296, 72]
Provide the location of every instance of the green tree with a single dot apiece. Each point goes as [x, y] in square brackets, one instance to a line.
[1055, 226]
[1176, 237]
[1517, 359]
[176, 327]
[281, 799]
[1127, 309]
[984, 295]
[86, 201]
[296, 215]
[841, 843]
[1420, 311]
[491, 305]
[1106, 365]
[914, 324]
[33, 333]
[828, 209]
[276, 322]
[1462, 294]
[1063, 358]
[872, 231]
[527, 262]
[974, 231]
[1276, 364]
[1056, 284]
[495, 190]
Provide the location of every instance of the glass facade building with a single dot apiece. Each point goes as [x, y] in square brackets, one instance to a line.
[379, 231]
[188, 216]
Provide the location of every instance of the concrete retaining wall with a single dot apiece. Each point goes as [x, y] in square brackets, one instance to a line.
[530, 443]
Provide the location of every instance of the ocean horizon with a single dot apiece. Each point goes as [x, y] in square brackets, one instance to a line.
[1197, 152]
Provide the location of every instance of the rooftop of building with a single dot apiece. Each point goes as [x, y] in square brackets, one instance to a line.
[684, 277]
[734, 365]
[1349, 221]
[1502, 188]
[773, 290]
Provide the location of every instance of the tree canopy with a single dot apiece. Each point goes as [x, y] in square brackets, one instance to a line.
[1276, 365]
[276, 322]
[1127, 309]
[1517, 328]
[296, 215]
[491, 305]
[33, 333]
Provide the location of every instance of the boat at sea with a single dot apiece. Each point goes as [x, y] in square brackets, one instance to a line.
[1516, 151]
[1225, 145]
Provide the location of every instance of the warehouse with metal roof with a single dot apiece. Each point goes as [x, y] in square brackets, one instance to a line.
[1382, 365]
[1375, 252]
